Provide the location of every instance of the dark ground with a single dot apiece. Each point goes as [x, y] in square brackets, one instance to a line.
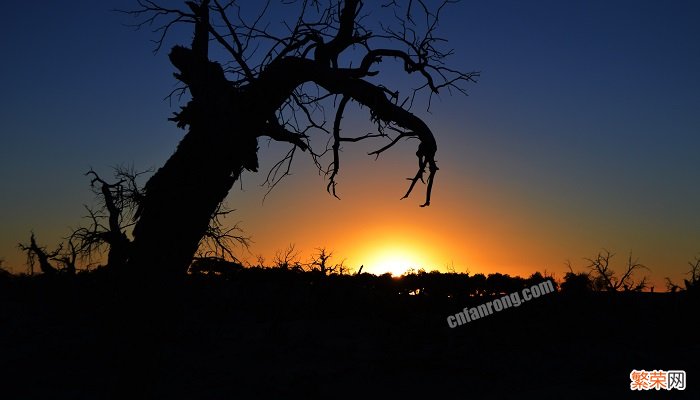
[272, 337]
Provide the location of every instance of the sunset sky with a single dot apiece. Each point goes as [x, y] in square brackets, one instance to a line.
[582, 133]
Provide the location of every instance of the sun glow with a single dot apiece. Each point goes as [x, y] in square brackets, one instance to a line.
[395, 260]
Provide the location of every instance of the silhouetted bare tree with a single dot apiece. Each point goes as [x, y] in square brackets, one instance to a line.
[69, 257]
[693, 283]
[320, 262]
[671, 286]
[604, 276]
[287, 259]
[117, 203]
[36, 253]
[276, 81]
[115, 214]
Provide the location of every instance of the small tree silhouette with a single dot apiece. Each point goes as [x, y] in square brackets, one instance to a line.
[693, 283]
[115, 214]
[671, 286]
[288, 259]
[320, 262]
[689, 284]
[604, 277]
[576, 282]
[39, 254]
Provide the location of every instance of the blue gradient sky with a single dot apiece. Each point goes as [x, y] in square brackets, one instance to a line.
[582, 134]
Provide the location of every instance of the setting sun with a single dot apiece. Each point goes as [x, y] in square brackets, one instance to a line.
[395, 260]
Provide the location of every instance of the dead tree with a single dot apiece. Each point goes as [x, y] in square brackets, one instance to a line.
[37, 254]
[606, 279]
[287, 259]
[671, 286]
[690, 284]
[276, 83]
[693, 283]
[320, 262]
[69, 257]
[115, 214]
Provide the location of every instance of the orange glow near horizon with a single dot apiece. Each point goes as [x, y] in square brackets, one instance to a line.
[395, 259]
[471, 227]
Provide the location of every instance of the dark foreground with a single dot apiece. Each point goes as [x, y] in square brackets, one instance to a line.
[272, 337]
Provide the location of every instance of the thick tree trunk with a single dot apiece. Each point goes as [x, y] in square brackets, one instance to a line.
[183, 195]
[180, 201]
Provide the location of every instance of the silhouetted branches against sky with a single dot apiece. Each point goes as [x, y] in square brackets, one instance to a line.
[605, 277]
[36, 253]
[340, 45]
[116, 212]
[220, 240]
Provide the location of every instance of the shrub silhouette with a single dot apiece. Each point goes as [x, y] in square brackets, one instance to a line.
[577, 283]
